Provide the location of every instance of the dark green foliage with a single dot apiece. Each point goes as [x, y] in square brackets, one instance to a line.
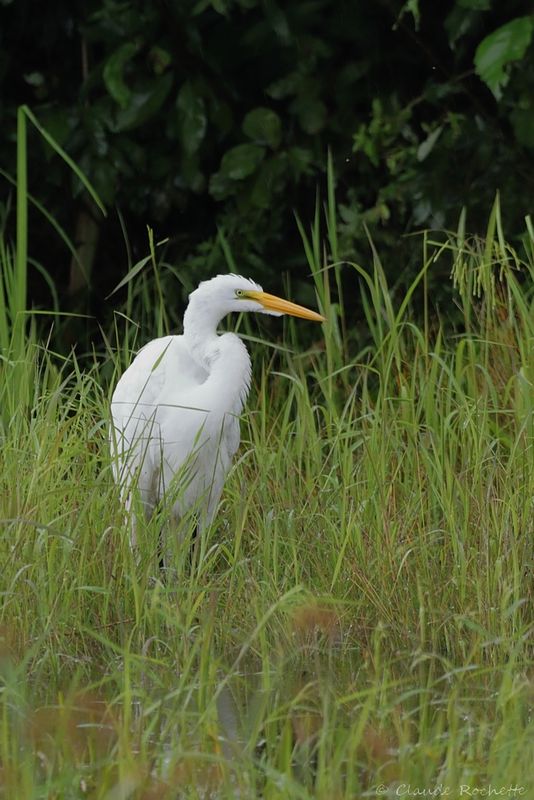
[191, 116]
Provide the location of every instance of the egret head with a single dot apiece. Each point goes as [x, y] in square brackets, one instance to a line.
[227, 293]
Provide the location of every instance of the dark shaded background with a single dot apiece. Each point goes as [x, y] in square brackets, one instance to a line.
[151, 101]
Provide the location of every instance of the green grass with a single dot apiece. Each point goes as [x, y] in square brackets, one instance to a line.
[359, 620]
[359, 617]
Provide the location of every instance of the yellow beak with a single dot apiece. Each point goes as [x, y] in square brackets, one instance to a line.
[273, 303]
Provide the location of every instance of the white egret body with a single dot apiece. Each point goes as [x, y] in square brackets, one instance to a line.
[176, 409]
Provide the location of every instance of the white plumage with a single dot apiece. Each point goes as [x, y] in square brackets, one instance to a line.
[175, 411]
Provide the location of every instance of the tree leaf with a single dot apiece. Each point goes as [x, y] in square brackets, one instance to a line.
[263, 126]
[427, 145]
[241, 161]
[272, 176]
[494, 53]
[311, 112]
[221, 186]
[161, 59]
[144, 104]
[113, 73]
[475, 5]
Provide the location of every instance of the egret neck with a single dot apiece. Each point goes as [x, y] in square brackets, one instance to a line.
[224, 357]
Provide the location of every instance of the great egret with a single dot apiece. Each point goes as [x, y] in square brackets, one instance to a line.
[176, 409]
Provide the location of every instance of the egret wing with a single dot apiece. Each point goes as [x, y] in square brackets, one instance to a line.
[144, 383]
[162, 368]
